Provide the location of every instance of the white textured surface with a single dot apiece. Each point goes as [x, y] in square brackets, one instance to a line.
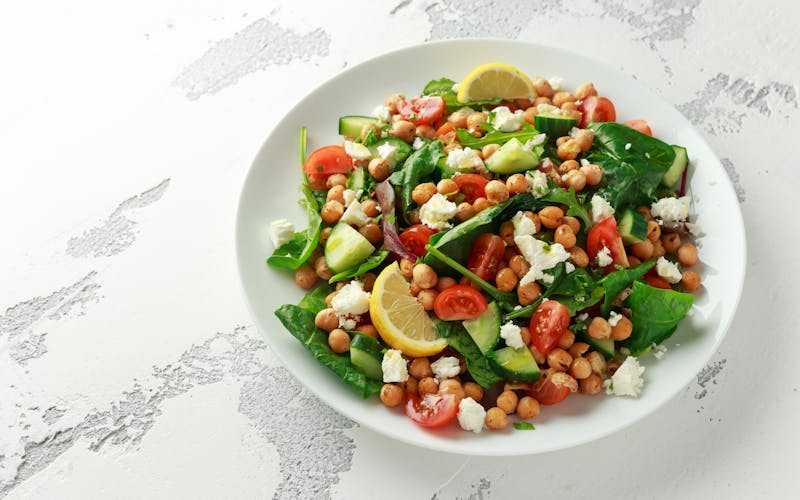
[128, 368]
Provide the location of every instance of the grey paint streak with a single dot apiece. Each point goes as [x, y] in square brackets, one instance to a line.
[655, 21]
[117, 232]
[724, 103]
[734, 177]
[708, 376]
[255, 48]
[477, 18]
[478, 490]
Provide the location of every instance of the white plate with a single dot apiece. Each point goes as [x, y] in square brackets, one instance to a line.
[271, 191]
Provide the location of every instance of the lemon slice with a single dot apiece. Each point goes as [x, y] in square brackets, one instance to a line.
[495, 81]
[399, 318]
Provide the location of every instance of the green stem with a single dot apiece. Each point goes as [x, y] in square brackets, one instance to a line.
[303, 144]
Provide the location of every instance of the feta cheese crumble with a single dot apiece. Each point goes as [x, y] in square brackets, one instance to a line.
[659, 350]
[512, 334]
[628, 146]
[582, 317]
[386, 150]
[418, 143]
[548, 109]
[506, 121]
[668, 270]
[537, 183]
[280, 231]
[354, 214]
[357, 151]
[540, 255]
[614, 318]
[523, 225]
[604, 257]
[350, 303]
[555, 83]
[446, 367]
[349, 195]
[394, 366]
[569, 267]
[694, 229]
[671, 209]
[601, 209]
[627, 380]
[466, 159]
[382, 113]
[534, 141]
[437, 212]
[471, 415]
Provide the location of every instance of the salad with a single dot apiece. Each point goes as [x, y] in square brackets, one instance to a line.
[489, 247]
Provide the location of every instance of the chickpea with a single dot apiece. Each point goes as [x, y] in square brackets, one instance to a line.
[671, 242]
[488, 150]
[506, 280]
[327, 320]
[367, 330]
[336, 193]
[496, 419]
[633, 261]
[593, 173]
[427, 298]
[560, 98]
[496, 191]
[592, 384]
[407, 268]
[403, 130]
[423, 192]
[369, 280]
[322, 270]
[474, 121]
[622, 330]
[584, 137]
[317, 182]
[424, 276]
[525, 333]
[414, 289]
[597, 362]
[379, 169]
[612, 365]
[653, 231]
[645, 211]
[687, 254]
[336, 180]
[580, 368]
[340, 285]
[370, 207]
[573, 223]
[642, 250]
[537, 356]
[427, 385]
[527, 408]
[585, 90]
[568, 166]
[392, 100]
[658, 250]
[507, 401]
[506, 232]
[452, 386]
[367, 128]
[519, 265]
[447, 187]
[324, 234]
[452, 146]
[551, 217]
[690, 281]
[576, 180]
[391, 395]
[562, 140]
[579, 257]
[473, 390]
[480, 204]
[542, 87]
[464, 211]
[527, 294]
[372, 232]
[568, 150]
[565, 236]
[568, 107]
[412, 386]
[425, 131]
[516, 184]
[329, 297]
[445, 282]
[420, 368]
[530, 113]
[558, 359]
[542, 100]
[578, 349]
[339, 341]
[566, 340]
[599, 328]
[458, 119]
[537, 222]
[331, 212]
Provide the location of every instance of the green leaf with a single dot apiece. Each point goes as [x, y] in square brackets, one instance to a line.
[372, 262]
[477, 364]
[443, 87]
[576, 209]
[655, 315]
[300, 323]
[524, 426]
[418, 166]
[494, 136]
[295, 252]
[617, 281]
[314, 300]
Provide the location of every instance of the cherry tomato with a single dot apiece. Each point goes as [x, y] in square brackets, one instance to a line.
[416, 237]
[486, 255]
[548, 324]
[421, 110]
[640, 126]
[606, 234]
[472, 186]
[432, 410]
[596, 109]
[459, 302]
[653, 279]
[328, 160]
[548, 392]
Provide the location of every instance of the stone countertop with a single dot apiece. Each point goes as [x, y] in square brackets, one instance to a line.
[129, 367]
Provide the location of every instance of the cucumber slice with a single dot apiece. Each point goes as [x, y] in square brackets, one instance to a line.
[350, 126]
[512, 158]
[485, 329]
[553, 125]
[603, 346]
[346, 248]
[357, 179]
[632, 227]
[675, 171]
[366, 355]
[515, 364]
[447, 172]
[402, 150]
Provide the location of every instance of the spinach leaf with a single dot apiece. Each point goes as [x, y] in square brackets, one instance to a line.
[494, 136]
[314, 300]
[295, 252]
[477, 364]
[300, 323]
[372, 262]
[524, 426]
[614, 283]
[633, 163]
[443, 87]
[418, 166]
[575, 304]
[570, 198]
[655, 315]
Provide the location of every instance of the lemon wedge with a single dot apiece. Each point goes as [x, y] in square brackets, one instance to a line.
[400, 319]
[495, 81]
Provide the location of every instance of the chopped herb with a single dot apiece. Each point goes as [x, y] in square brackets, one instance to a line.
[524, 426]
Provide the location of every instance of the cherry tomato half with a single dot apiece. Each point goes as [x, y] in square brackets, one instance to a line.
[472, 186]
[459, 302]
[597, 109]
[421, 110]
[653, 279]
[606, 234]
[548, 324]
[416, 237]
[640, 126]
[328, 160]
[432, 410]
[550, 390]
[486, 255]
